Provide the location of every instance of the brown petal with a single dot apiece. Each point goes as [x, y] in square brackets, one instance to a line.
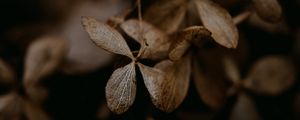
[280, 27]
[106, 37]
[217, 20]
[231, 69]
[7, 76]
[209, 77]
[157, 41]
[166, 15]
[11, 107]
[121, 89]
[180, 45]
[114, 21]
[34, 112]
[5, 100]
[268, 10]
[43, 57]
[244, 109]
[178, 50]
[271, 75]
[167, 83]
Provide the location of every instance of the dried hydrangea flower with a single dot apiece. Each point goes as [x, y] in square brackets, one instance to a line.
[270, 76]
[121, 87]
[14, 106]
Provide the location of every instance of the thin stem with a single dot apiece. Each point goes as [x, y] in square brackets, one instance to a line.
[241, 17]
[141, 31]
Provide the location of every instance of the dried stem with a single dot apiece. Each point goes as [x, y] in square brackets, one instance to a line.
[241, 17]
[141, 35]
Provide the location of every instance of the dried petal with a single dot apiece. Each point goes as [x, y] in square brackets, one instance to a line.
[168, 88]
[209, 77]
[114, 21]
[280, 27]
[43, 57]
[157, 41]
[34, 112]
[196, 35]
[210, 90]
[106, 37]
[178, 50]
[231, 70]
[180, 45]
[217, 20]
[271, 75]
[121, 89]
[244, 109]
[6, 74]
[153, 79]
[268, 10]
[11, 107]
[166, 15]
[5, 100]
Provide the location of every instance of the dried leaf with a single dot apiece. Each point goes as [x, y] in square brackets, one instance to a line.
[166, 15]
[106, 37]
[244, 109]
[217, 20]
[157, 41]
[231, 70]
[6, 74]
[180, 45]
[121, 89]
[167, 82]
[43, 57]
[268, 10]
[34, 112]
[271, 75]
